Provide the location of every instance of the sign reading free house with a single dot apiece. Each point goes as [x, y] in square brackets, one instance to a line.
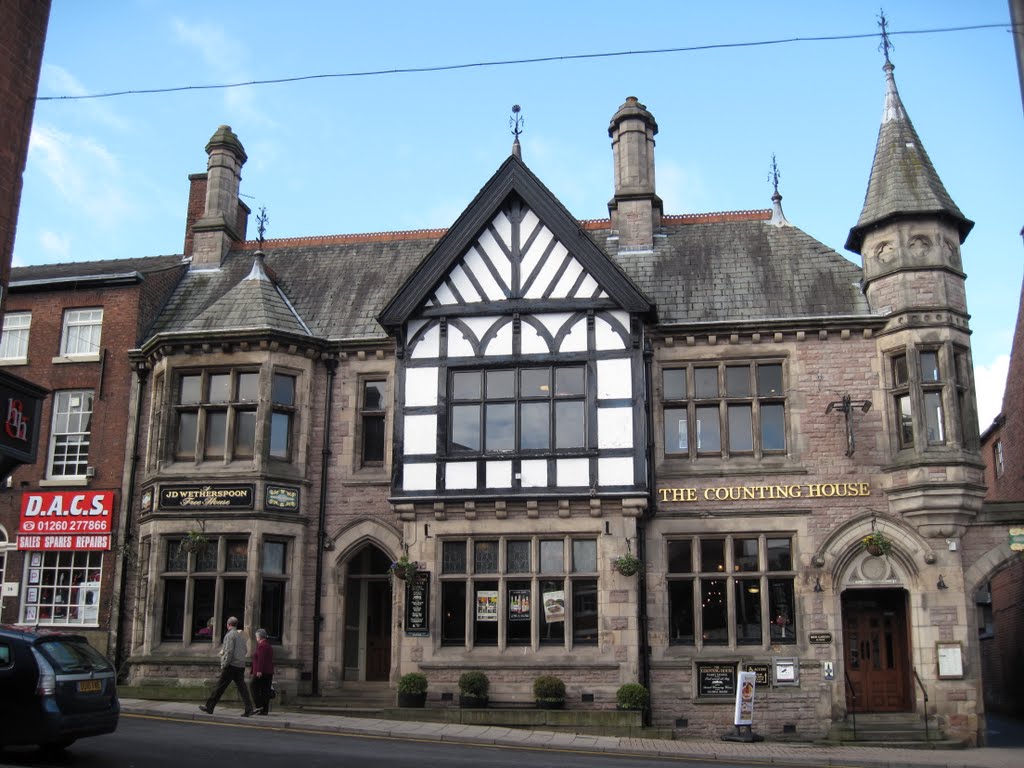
[207, 496]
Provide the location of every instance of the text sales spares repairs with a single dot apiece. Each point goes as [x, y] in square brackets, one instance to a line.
[66, 520]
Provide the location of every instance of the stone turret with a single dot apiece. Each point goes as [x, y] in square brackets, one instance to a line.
[223, 219]
[909, 235]
[635, 210]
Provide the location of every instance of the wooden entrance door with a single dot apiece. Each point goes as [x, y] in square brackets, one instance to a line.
[378, 630]
[876, 657]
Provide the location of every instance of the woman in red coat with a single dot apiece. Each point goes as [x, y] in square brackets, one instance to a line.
[262, 672]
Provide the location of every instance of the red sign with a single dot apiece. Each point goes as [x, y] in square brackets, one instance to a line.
[66, 520]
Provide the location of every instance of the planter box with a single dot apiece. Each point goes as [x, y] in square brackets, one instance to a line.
[412, 700]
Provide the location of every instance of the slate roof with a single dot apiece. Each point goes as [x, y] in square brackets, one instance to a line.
[254, 304]
[93, 269]
[903, 180]
[723, 268]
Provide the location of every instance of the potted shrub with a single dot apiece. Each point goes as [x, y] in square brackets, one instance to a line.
[628, 564]
[549, 692]
[632, 696]
[412, 690]
[877, 543]
[473, 687]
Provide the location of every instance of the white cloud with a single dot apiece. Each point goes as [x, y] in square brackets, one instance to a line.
[226, 60]
[84, 172]
[58, 81]
[56, 245]
[990, 381]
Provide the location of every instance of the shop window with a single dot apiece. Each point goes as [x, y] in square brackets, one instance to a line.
[731, 591]
[62, 588]
[726, 409]
[495, 598]
[203, 588]
[372, 417]
[272, 589]
[525, 410]
[14, 338]
[70, 435]
[80, 336]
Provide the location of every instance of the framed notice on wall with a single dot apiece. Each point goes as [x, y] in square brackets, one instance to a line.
[950, 658]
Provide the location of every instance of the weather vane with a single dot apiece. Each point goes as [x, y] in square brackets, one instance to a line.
[774, 176]
[516, 122]
[886, 44]
[261, 221]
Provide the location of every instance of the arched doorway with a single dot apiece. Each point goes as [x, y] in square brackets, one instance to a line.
[876, 651]
[367, 642]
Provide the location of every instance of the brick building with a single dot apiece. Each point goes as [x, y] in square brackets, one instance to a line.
[69, 327]
[519, 401]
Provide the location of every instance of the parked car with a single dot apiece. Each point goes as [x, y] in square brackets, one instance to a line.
[56, 688]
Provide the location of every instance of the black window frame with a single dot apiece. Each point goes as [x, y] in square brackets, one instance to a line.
[719, 410]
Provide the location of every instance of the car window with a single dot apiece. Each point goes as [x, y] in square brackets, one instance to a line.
[69, 656]
[5, 654]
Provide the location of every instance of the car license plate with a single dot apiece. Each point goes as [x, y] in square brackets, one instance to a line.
[90, 686]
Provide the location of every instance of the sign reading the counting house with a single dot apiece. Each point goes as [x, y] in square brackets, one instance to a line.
[207, 497]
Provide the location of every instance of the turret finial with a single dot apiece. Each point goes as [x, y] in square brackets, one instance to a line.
[778, 217]
[886, 45]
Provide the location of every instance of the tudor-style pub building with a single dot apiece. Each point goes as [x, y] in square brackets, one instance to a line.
[516, 402]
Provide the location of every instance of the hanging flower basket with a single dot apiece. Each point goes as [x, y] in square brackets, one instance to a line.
[195, 542]
[628, 564]
[403, 568]
[877, 544]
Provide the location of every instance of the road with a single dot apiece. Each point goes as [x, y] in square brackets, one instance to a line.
[144, 742]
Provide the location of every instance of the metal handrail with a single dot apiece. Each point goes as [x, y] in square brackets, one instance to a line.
[927, 735]
[853, 709]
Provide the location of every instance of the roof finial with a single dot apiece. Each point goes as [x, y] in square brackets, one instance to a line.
[886, 45]
[261, 224]
[516, 123]
[778, 217]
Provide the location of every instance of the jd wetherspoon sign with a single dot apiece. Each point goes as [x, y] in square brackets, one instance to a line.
[206, 497]
[765, 492]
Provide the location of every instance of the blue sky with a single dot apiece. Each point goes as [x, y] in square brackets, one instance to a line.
[107, 178]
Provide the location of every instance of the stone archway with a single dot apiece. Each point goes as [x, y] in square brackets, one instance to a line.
[363, 639]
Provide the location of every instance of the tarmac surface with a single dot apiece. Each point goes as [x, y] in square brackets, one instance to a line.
[776, 753]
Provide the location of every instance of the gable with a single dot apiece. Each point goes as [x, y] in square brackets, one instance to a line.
[516, 256]
[514, 245]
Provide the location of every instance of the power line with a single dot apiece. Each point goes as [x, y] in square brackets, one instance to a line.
[510, 62]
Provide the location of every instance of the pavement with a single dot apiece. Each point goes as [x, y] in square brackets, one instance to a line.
[779, 753]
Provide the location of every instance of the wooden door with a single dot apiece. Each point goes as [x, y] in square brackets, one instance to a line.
[875, 650]
[378, 630]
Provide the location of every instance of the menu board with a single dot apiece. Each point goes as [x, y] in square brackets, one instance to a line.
[716, 679]
[417, 605]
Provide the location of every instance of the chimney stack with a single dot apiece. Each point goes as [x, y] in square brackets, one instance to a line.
[636, 210]
[212, 235]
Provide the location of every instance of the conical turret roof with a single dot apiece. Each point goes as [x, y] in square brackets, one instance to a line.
[903, 180]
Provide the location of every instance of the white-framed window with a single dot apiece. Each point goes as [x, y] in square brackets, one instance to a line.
[70, 435]
[62, 588]
[526, 591]
[14, 338]
[81, 334]
[997, 455]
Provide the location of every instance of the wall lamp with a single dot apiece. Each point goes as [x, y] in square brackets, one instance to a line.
[942, 583]
[845, 407]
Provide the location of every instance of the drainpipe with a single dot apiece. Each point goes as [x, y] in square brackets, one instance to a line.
[321, 534]
[641, 536]
[141, 373]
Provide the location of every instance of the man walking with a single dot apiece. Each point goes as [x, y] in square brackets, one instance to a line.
[262, 672]
[232, 669]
